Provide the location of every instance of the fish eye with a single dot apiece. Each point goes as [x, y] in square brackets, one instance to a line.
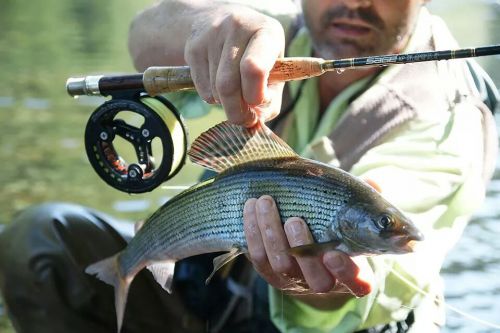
[385, 222]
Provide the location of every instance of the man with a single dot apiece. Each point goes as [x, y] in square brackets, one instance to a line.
[400, 127]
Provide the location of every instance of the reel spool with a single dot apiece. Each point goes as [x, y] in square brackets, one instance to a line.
[145, 123]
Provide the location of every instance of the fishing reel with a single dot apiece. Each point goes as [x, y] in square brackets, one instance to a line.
[136, 142]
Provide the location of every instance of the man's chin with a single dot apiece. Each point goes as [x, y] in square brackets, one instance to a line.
[344, 51]
[341, 48]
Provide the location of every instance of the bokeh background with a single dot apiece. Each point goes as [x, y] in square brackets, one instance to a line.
[42, 155]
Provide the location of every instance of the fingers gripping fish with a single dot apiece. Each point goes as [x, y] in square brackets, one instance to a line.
[342, 212]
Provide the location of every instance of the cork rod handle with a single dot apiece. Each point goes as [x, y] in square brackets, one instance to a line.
[296, 68]
[159, 80]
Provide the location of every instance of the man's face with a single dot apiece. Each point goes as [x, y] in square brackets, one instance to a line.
[354, 28]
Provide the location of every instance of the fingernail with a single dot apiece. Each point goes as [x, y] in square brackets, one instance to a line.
[249, 206]
[264, 205]
[250, 122]
[295, 226]
[334, 261]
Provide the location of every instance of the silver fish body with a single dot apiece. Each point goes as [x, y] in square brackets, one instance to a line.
[209, 217]
[342, 212]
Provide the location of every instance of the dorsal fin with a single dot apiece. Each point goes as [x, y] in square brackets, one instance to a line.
[226, 145]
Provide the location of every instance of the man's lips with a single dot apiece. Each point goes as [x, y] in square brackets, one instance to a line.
[351, 28]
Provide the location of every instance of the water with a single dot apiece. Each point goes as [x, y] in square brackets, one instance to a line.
[41, 141]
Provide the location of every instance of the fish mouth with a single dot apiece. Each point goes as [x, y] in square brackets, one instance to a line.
[413, 234]
[406, 243]
[410, 246]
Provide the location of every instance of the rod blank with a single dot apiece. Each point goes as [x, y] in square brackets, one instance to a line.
[158, 80]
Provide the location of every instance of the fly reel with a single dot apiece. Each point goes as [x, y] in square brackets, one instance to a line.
[135, 144]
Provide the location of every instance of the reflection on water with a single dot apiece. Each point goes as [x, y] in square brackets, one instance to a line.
[472, 269]
[41, 45]
[43, 158]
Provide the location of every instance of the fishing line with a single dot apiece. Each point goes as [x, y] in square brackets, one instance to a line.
[176, 129]
[282, 307]
[438, 301]
[176, 187]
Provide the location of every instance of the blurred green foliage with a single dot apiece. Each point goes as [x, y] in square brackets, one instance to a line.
[41, 141]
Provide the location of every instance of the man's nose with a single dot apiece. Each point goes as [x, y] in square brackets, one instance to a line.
[353, 4]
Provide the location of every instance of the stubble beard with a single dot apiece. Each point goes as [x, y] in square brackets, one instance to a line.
[386, 39]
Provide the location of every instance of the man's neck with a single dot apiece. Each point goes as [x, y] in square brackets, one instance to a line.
[332, 84]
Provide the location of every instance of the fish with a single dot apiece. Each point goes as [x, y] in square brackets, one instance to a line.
[342, 211]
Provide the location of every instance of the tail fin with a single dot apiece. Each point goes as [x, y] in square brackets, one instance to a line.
[107, 270]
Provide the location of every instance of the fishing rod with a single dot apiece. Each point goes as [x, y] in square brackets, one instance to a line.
[158, 80]
[161, 129]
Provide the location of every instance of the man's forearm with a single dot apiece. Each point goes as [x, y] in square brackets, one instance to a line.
[158, 34]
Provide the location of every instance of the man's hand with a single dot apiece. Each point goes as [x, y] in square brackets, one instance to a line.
[333, 272]
[231, 50]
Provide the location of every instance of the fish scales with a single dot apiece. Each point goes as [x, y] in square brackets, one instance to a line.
[236, 206]
[236, 203]
[212, 214]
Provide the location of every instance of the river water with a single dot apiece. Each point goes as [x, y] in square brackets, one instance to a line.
[41, 147]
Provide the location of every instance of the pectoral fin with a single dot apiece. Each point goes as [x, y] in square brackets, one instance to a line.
[313, 249]
[223, 259]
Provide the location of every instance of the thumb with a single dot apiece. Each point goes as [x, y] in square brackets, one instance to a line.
[353, 272]
[374, 184]
[271, 106]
